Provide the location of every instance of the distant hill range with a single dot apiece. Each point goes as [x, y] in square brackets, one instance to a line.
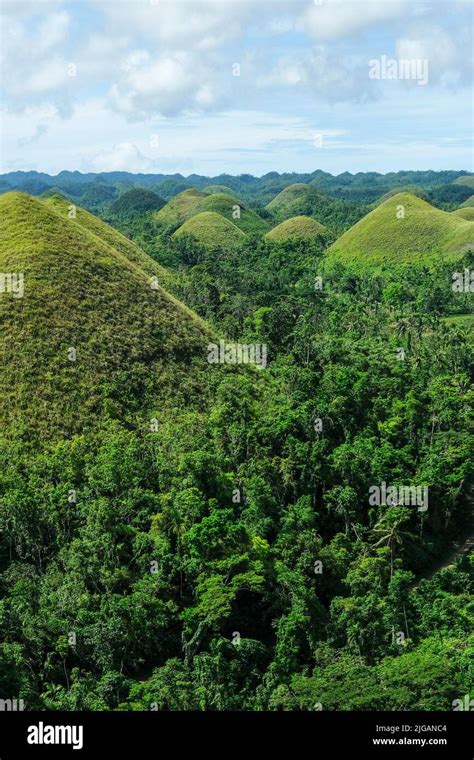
[97, 191]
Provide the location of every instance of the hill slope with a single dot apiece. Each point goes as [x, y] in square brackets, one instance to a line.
[296, 228]
[233, 210]
[137, 200]
[413, 190]
[136, 346]
[306, 200]
[192, 202]
[381, 239]
[112, 237]
[467, 180]
[212, 230]
[297, 200]
[465, 213]
[179, 208]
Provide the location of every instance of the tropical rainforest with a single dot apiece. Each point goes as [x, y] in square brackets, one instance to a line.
[180, 535]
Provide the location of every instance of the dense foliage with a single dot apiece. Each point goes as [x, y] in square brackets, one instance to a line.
[229, 557]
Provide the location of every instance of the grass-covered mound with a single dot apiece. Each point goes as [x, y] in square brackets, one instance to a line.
[112, 237]
[467, 180]
[384, 239]
[301, 199]
[232, 209]
[468, 203]
[212, 230]
[296, 228]
[90, 339]
[296, 200]
[192, 202]
[179, 208]
[137, 200]
[465, 213]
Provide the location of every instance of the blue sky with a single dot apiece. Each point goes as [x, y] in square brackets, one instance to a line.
[151, 86]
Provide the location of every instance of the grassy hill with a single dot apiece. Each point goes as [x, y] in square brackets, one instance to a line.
[300, 199]
[296, 200]
[465, 213]
[191, 202]
[136, 347]
[212, 230]
[296, 228]
[381, 240]
[112, 237]
[137, 200]
[467, 180]
[179, 208]
[226, 205]
[468, 203]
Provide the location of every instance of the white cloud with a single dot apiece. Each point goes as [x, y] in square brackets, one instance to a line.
[102, 57]
[322, 73]
[122, 157]
[44, 77]
[31, 63]
[168, 66]
[335, 19]
[52, 30]
[449, 63]
[168, 85]
[179, 24]
[27, 8]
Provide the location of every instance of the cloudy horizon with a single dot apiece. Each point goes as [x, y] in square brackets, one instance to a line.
[234, 87]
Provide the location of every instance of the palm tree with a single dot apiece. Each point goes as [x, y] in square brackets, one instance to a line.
[390, 533]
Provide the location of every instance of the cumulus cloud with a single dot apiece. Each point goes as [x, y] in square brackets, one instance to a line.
[156, 57]
[124, 156]
[181, 24]
[324, 74]
[32, 63]
[335, 19]
[448, 63]
[167, 85]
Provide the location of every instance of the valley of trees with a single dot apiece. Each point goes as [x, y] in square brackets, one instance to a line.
[193, 537]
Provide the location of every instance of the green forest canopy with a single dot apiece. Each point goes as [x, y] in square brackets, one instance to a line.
[191, 536]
